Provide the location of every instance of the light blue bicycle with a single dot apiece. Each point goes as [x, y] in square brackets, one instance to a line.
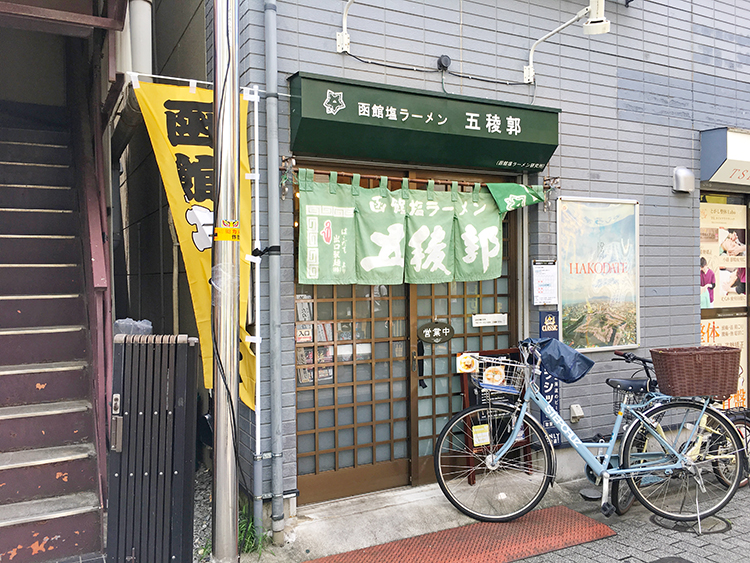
[682, 459]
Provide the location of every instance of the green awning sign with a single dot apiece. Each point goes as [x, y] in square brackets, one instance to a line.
[352, 119]
[351, 235]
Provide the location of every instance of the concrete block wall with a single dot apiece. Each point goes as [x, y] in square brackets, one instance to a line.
[633, 103]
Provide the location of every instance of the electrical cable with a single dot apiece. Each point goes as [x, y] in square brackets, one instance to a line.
[430, 70]
[490, 80]
[389, 65]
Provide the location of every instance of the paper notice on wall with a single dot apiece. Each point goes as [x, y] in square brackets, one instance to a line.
[729, 332]
[545, 282]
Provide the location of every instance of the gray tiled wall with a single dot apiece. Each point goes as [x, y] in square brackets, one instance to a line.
[633, 103]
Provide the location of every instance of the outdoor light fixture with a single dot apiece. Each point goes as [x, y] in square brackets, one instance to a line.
[597, 23]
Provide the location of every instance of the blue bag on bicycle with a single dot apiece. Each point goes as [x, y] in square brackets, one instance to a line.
[560, 360]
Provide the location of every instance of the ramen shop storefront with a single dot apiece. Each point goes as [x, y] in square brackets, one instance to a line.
[399, 255]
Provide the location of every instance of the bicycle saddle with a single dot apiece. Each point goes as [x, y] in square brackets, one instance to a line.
[632, 385]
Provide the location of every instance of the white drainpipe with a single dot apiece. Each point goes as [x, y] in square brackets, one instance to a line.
[141, 36]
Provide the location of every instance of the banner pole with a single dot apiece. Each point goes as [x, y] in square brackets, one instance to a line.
[225, 280]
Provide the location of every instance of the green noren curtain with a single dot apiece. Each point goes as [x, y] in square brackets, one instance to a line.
[352, 235]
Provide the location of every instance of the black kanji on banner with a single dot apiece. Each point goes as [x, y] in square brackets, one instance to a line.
[190, 123]
[196, 177]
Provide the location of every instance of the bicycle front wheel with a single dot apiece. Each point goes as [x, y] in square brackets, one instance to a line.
[710, 449]
[622, 497]
[479, 486]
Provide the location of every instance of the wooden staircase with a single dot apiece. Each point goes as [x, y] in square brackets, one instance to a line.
[50, 499]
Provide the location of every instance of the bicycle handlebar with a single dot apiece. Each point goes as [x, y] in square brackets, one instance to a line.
[629, 357]
[646, 364]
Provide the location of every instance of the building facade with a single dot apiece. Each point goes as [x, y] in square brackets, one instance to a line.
[645, 117]
[633, 103]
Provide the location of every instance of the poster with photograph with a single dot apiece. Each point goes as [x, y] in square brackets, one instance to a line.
[732, 332]
[723, 260]
[598, 273]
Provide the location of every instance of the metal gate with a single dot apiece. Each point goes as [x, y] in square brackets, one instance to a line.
[152, 449]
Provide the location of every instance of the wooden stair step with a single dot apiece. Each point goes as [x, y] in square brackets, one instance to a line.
[50, 529]
[26, 196]
[47, 472]
[14, 151]
[41, 174]
[29, 280]
[29, 127]
[36, 310]
[45, 425]
[29, 249]
[43, 383]
[43, 344]
[43, 136]
[22, 513]
[38, 221]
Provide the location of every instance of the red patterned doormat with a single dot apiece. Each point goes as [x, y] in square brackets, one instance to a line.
[540, 531]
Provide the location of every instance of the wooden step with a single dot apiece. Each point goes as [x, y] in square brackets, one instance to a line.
[36, 280]
[38, 221]
[14, 151]
[38, 197]
[29, 249]
[44, 383]
[36, 174]
[46, 425]
[18, 311]
[39, 118]
[49, 530]
[47, 472]
[43, 344]
[37, 136]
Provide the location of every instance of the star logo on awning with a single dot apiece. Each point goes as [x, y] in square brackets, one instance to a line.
[334, 102]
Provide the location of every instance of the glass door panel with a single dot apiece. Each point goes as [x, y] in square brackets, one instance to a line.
[437, 387]
[352, 393]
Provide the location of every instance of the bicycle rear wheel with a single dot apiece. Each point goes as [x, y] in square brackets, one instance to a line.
[480, 488]
[742, 425]
[693, 490]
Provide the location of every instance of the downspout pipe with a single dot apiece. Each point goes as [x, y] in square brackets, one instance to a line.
[274, 270]
[255, 321]
[141, 36]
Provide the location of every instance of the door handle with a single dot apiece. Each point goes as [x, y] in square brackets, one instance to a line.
[115, 434]
[414, 360]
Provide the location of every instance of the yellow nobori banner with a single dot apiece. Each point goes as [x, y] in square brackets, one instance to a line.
[180, 125]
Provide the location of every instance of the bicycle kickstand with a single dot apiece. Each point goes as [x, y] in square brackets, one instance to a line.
[608, 508]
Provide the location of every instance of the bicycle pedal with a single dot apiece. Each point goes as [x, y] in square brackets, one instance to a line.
[608, 509]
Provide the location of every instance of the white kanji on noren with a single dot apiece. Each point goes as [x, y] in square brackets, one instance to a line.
[390, 249]
[486, 242]
[433, 257]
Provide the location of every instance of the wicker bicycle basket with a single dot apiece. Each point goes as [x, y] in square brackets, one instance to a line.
[704, 371]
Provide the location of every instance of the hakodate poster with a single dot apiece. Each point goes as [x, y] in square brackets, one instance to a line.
[598, 271]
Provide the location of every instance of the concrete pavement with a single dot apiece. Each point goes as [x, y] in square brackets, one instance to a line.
[353, 523]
